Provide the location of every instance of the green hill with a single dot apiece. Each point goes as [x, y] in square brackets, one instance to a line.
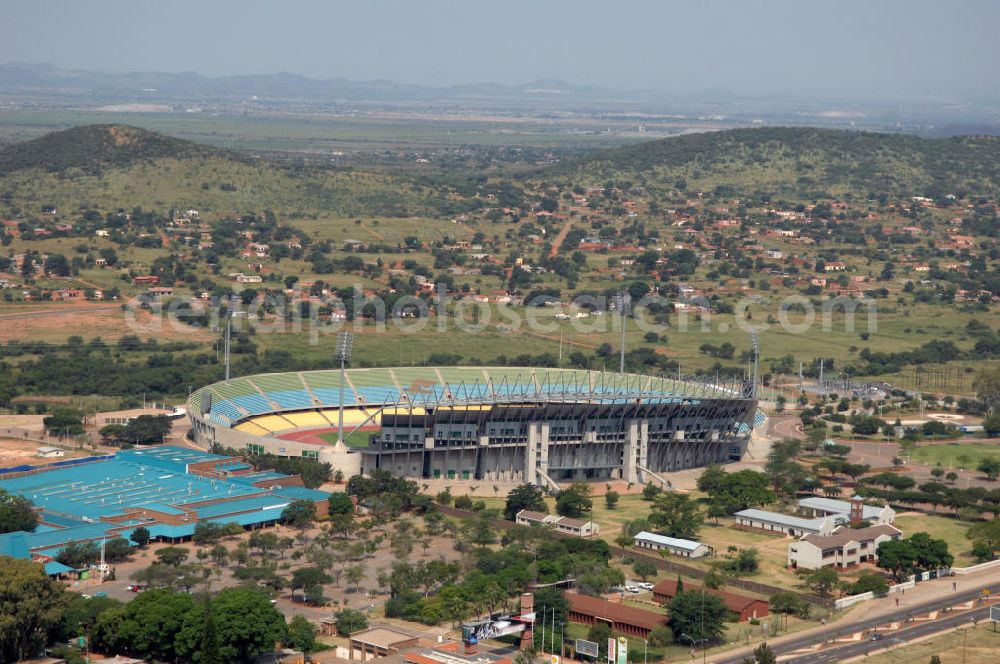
[95, 148]
[796, 161]
[112, 166]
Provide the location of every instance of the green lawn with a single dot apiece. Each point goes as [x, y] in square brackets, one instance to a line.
[948, 454]
[355, 439]
[950, 530]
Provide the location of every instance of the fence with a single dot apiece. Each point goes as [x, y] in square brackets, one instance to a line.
[851, 600]
[972, 569]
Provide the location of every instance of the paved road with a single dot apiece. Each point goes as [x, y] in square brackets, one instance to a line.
[894, 640]
[836, 654]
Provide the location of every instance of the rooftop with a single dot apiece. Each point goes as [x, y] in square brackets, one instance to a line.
[839, 506]
[688, 545]
[602, 608]
[732, 601]
[782, 519]
[844, 535]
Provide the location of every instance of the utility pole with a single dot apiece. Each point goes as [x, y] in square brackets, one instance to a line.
[345, 343]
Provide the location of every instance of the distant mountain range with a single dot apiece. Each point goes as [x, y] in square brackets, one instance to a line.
[18, 78]
[281, 92]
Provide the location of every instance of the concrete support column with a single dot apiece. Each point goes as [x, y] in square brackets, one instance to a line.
[543, 447]
[630, 473]
[530, 452]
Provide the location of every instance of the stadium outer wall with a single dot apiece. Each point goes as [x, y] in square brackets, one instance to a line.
[599, 428]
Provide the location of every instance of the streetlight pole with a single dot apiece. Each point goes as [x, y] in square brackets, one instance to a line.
[345, 343]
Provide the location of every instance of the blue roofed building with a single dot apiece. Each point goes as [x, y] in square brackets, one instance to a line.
[166, 489]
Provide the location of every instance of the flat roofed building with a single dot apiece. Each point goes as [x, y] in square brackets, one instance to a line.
[379, 642]
[49, 452]
[845, 548]
[562, 524]
[775, 522]
[678, 547]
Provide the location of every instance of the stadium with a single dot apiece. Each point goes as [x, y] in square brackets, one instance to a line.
[506, 424]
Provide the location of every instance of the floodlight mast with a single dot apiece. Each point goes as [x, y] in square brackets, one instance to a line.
[755, 351]
[623, 305]
[230, 312]
[345, 343]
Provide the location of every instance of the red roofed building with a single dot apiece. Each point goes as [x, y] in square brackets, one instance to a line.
[628, 620]
[745, 607]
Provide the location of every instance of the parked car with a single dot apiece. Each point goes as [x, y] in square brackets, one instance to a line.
[646, 585]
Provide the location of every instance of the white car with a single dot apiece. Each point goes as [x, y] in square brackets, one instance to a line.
[632, 589]
[646, 585]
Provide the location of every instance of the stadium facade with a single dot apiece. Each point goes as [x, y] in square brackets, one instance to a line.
[510, 424]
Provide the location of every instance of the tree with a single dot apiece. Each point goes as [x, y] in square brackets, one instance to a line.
[209, 651]
[991, 467]
[872, 583]
[574, 502]
[991, 424]
[599, 632]
[16, 513]
[206, 532]
[311, 580]
[248, 624]
[299, 514]
[697, 615]
[147, 429]
[148, 626]
[644, 569]
[79, 555]
[524, 497]
[31, 604]
[987, 535]
[762, 654]
[711, 479]
[172, 555]
[823, 580]
[340, 503]
[301, 634]
[350, 621]
[743, 490]
[140, 536]
[676, 515]
[611, 499]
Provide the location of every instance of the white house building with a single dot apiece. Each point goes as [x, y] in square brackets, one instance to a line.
[784, 524]
[847, 547]
[819, 507]
[678, 547]
[562, 524]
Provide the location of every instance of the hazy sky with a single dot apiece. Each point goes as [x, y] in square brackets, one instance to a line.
[831, 47]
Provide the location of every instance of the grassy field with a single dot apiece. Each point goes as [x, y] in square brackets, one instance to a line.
[951, 531]
[955, 455]
[975, 646]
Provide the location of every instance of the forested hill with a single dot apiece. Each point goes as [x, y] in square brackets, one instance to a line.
[94, 148]
[799, 161]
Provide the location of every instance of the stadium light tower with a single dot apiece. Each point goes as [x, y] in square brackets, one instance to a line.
[230, 312]
[345, 343]
[623, 301]
[755, 354]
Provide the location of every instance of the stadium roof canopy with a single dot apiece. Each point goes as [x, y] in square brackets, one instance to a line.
[432, 387]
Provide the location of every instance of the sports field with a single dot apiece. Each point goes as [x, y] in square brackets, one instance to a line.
[956, 455]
